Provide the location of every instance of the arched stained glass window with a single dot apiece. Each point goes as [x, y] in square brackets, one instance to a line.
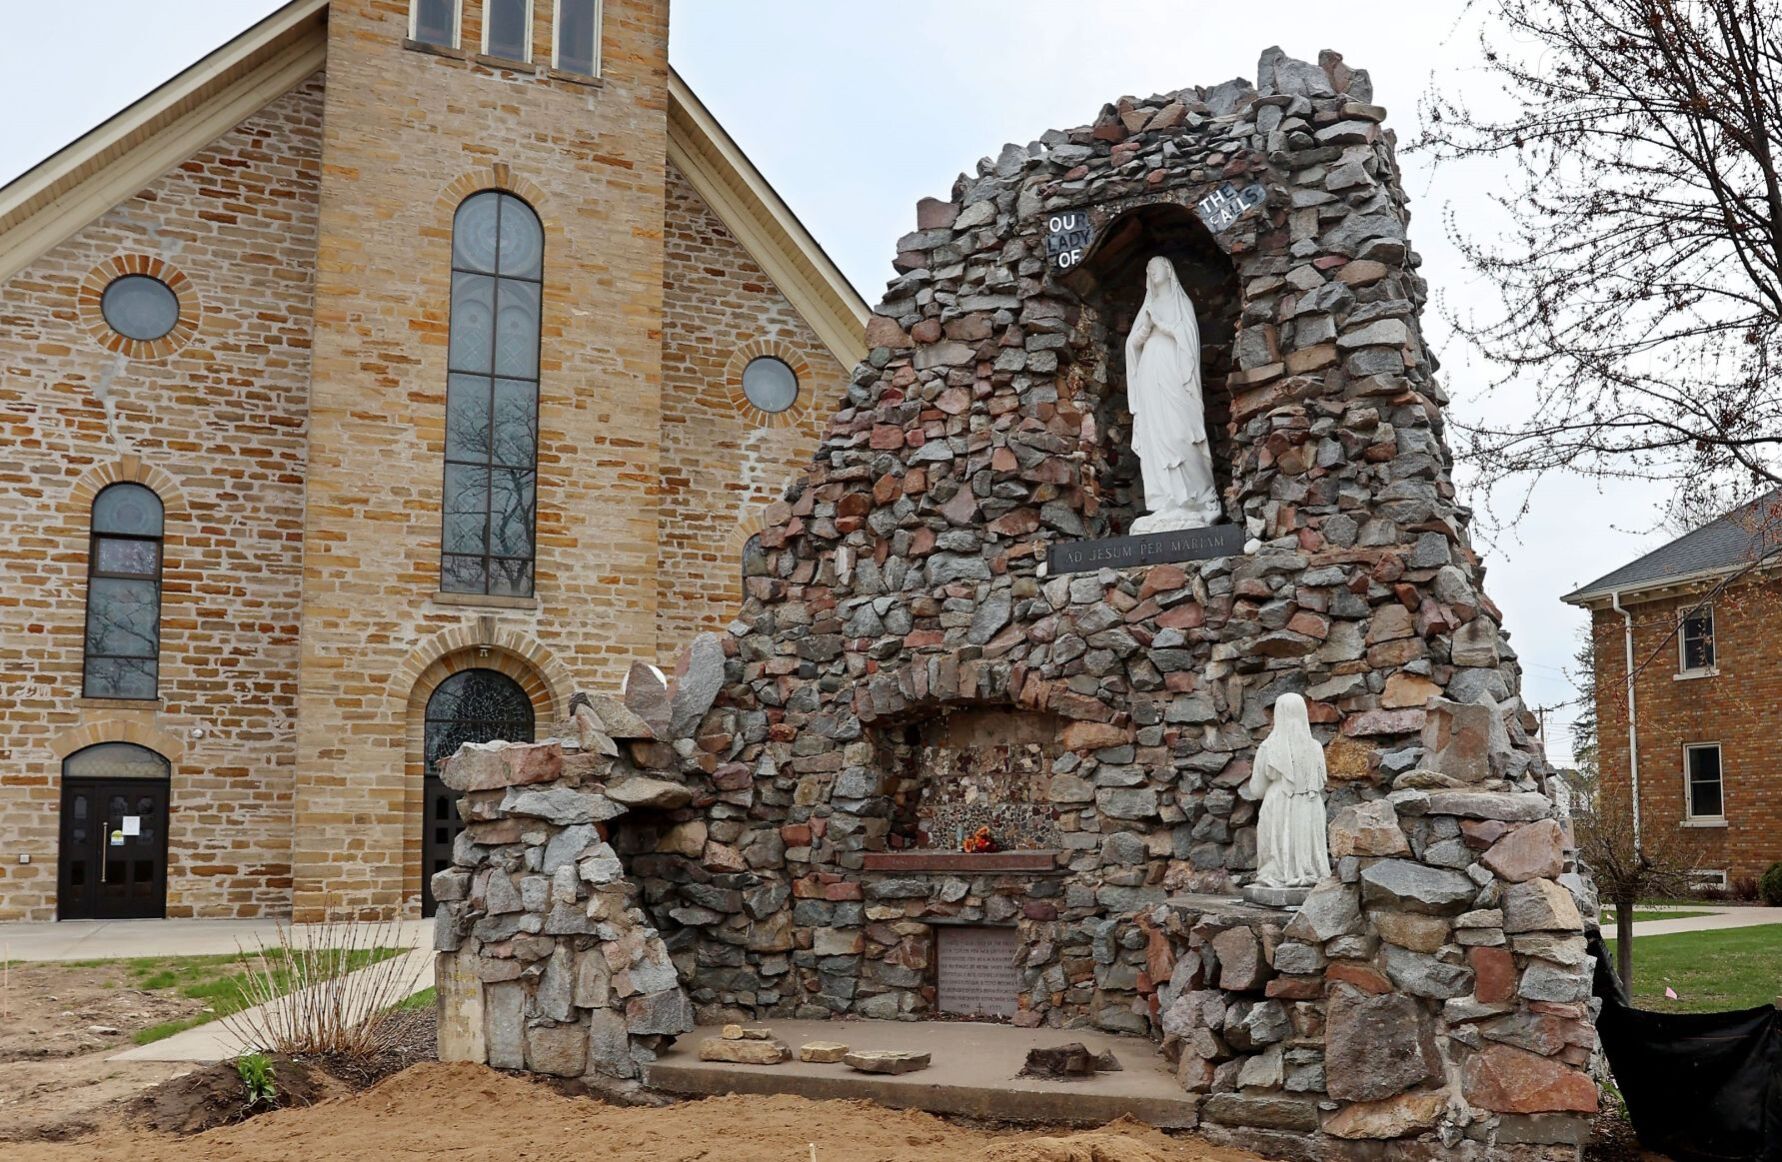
[123, 640]
[469, 706]
[491, 477]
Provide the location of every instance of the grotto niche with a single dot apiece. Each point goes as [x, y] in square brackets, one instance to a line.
[1110, 283]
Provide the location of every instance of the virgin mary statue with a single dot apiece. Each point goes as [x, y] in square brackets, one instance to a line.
[1288, 776]
[1169, 428]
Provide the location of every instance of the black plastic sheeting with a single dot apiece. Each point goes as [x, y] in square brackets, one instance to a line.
[1700, 1087]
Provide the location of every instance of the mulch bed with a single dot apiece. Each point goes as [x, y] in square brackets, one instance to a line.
[216, 1096]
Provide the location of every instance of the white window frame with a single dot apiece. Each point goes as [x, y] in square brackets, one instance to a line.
[1683, 667]
[526, 56]
[414, 22]
[557, 41]
[1690, 818]
[1708, 877]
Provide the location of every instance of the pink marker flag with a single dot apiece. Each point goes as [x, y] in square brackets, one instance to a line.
[1670, 994]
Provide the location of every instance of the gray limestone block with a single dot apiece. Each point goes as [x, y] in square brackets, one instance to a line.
[1414, 887]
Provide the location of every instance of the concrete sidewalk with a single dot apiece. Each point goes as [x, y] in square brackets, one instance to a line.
[219, 1041]
[118, 939]
[1717, 920]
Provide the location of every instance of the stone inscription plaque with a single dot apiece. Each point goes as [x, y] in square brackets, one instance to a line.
[1227, 204]
[1145, 549]
[977, 971]
[1068, 235]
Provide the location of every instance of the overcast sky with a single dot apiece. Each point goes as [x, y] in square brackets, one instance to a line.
[855, 110]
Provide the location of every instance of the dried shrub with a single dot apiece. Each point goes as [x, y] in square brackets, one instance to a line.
[322, 991]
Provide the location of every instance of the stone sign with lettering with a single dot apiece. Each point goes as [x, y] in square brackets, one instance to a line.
[978, 971]
[1227, 204]
[1145, 549]
[1068, 235]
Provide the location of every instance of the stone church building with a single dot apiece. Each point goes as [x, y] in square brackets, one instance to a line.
[380, 378]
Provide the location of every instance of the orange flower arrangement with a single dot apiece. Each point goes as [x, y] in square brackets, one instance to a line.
[981, 841]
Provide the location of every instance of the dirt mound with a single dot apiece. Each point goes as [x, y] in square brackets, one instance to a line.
[467, 1112]
[215, 1096]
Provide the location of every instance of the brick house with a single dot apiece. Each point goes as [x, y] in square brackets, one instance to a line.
[1695, 621]
[385, 376]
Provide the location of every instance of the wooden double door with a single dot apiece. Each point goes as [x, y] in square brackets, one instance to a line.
[113, 850]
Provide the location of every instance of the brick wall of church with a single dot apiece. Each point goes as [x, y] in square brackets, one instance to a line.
[723, 460]
[217, 428]
[408, 135]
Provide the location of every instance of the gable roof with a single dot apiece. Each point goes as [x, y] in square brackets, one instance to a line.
[1741, 539]
[71, 188]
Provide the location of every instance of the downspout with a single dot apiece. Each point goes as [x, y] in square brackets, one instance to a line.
[1633, 739]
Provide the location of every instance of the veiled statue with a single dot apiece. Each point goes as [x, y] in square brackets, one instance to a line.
[1163, 390]
[1292, 850]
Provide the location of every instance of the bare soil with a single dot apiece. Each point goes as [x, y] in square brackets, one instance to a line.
[467, 1112]
[58, 1025]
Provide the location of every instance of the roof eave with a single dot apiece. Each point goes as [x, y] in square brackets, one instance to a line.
[73, 187]
[743, 200]
[1655, 588]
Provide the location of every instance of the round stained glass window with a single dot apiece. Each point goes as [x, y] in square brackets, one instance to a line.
[139, 307]
[770, 384]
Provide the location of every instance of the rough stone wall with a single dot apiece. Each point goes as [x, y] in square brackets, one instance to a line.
[723, 461]
[1435, 993]
[216, 426]
[1730, 707]
[901, 578]
[546, 963]
[408, 135]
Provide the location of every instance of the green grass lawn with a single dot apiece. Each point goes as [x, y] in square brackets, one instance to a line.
[216, 980]
[1735, 968]
[1641, 915]
[425, 999]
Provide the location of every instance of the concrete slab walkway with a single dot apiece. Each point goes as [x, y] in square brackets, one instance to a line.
[116, 939]
[220, 1040]
[1716, 920]
[973, 1072]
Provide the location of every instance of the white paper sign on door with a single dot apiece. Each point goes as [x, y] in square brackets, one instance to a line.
[132, 825]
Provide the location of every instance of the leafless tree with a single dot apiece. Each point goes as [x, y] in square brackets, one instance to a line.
[1627, 872]
[1641, 274]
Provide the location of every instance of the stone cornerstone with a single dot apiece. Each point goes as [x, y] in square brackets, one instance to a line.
[905, 675]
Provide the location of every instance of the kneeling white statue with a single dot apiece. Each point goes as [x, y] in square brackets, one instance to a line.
[1292, 850]
[1169, 425]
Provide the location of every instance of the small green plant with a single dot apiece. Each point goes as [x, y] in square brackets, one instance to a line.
[1770, 886]
[257, 1076]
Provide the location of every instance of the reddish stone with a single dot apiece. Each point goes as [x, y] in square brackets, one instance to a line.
[1188, 615]
[883, 332]
[1310, 624]
[1295, 988]
[796, 834]
[927, 331]
[1494, 974]
[1039, 910]
[1372, 722]
[934, 214]
[887, 437]
[1365, 977]
[1480, 834]
[842, 891]
[1094, 735]
[1532, 851]
[1162, 579]
[1514, 1081]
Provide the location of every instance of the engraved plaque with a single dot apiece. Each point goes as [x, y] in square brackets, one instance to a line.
[977, 969]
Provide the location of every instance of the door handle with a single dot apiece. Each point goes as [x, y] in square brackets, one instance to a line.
[104, 852]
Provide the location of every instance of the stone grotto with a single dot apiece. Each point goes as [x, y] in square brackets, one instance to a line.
[918, 734]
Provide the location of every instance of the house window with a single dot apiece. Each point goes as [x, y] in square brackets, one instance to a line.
[491, 454]
[123, 642]
[577, 30]
[434, 22]
[507, 29]
[1701, 766]
[1698, 639]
